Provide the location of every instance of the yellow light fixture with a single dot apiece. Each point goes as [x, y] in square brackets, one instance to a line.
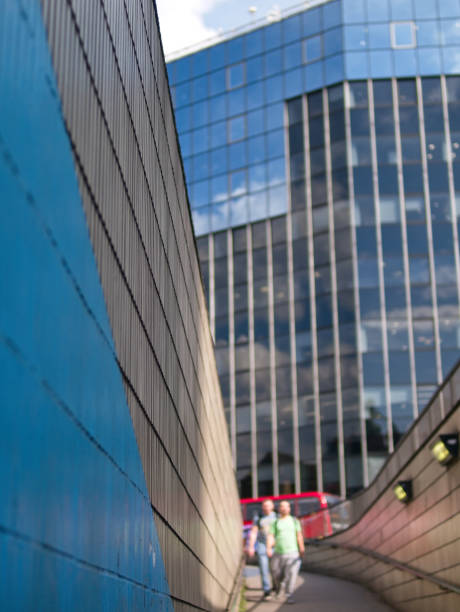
[445, 448]
[403, 491]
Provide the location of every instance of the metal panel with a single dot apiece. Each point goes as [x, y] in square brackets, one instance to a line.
[406, 552]
[117, 109]
[76, 523]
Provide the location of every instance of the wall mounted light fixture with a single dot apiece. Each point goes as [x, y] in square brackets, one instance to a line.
[445, 448]
[403, 490]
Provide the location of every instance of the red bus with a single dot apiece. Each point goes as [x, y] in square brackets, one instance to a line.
[310, 508]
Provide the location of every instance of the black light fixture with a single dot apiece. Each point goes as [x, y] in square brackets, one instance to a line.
[445, 448]
[403, 490]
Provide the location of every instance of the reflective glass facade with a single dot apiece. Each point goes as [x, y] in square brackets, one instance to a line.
[321, 158]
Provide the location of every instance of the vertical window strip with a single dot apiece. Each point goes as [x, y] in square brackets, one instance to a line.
[386, 366]
[212, 303]
[231, 339]
[364, 455]
[252, 382]
[295, 404]
[271, 319]
[407, 284]
[335, 316]
[450, 171]
[429, 230]
[311, 270]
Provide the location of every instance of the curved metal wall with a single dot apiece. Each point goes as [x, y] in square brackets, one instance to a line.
[111, 96]
[408, 553]
[116, 104]
[76, 524]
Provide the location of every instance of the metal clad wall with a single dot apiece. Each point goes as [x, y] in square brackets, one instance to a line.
[116, 105]
[422, 534]
[76, 523]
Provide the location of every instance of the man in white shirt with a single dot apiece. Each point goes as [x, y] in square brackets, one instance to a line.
[259, 532]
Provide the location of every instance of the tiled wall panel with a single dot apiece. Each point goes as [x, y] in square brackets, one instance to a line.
[422, 534]
[148, 265]
[112, 105]
[77, 530]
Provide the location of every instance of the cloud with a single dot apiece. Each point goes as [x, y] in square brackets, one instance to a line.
[182, 23]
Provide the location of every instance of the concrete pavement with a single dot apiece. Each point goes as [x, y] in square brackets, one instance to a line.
[316, 593]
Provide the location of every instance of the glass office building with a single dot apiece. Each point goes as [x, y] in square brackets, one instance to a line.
[322, 155]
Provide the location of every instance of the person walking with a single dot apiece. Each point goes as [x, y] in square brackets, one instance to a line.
[259, 532]
[285, 546]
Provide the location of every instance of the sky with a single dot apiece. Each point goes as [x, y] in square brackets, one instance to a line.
[188, 22]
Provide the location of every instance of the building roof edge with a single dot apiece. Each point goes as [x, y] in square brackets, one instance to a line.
[243, 29]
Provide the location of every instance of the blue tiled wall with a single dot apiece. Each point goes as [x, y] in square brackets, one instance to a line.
[76, 525]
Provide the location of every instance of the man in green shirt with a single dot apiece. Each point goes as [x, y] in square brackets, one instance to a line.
[287, 539]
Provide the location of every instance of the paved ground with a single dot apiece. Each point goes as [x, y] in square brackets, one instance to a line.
[316, 593]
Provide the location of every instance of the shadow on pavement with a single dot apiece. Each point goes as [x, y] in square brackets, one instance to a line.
[316, 592]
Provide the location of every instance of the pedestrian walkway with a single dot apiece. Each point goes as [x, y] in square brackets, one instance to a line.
[317, 593]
